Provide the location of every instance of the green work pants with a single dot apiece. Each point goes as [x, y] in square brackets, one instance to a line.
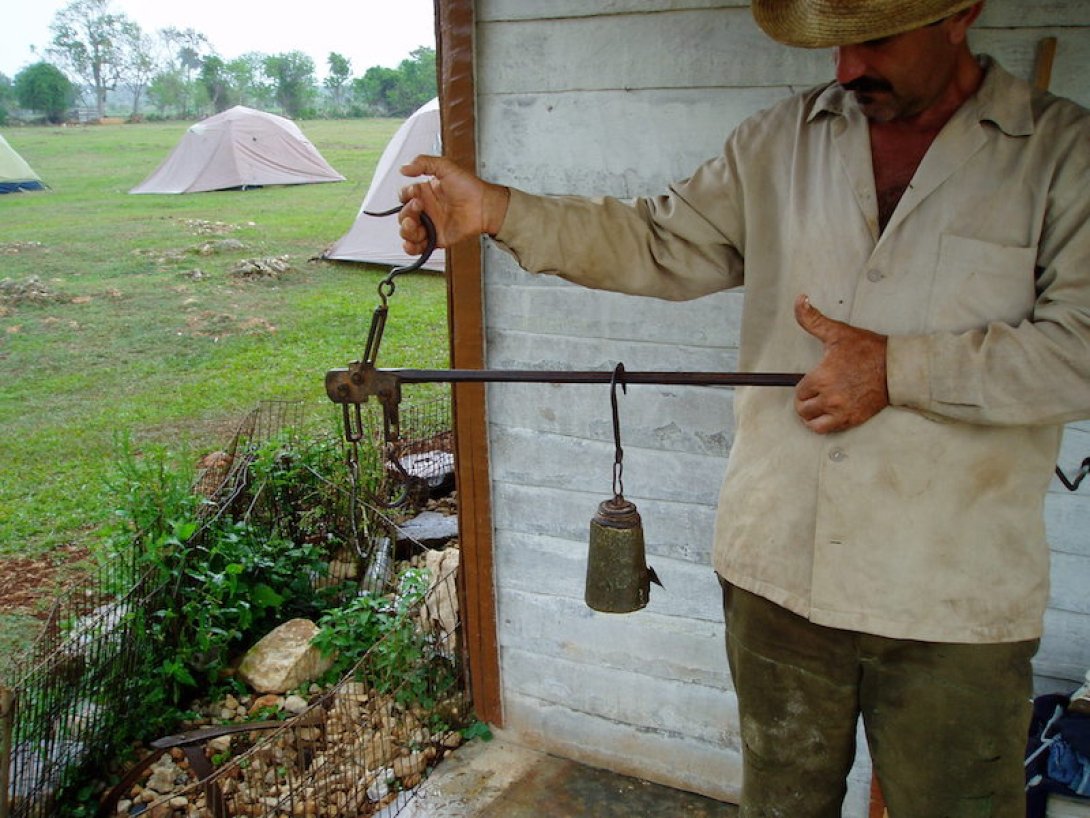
[946, 723]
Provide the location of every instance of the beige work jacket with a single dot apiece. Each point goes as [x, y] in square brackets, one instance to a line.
[926, 522]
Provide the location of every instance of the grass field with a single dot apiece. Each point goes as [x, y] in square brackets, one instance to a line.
[125, 338]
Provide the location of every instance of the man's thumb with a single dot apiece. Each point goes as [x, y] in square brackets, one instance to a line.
[813, 320]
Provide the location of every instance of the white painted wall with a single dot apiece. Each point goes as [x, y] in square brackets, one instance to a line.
[620, 97]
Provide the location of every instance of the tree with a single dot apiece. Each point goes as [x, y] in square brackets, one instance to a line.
[247, 75]
[185, 49]
[139, 62]
[7, 98]
[340, 69]
[292, 75]
[373, 89]
[217, 83]
[418, 83]
[398, 92]
[85, 39]
[44, 87]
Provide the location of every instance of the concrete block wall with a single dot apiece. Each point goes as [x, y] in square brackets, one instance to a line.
[620, 97]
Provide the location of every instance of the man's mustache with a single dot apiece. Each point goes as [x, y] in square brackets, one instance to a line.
[866, 85]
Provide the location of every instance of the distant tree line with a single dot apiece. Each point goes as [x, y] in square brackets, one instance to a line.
[97, 54]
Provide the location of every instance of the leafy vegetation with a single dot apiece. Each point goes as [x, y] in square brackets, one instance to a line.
[44, 87]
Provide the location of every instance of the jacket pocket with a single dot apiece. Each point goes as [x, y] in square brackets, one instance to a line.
[978, 283]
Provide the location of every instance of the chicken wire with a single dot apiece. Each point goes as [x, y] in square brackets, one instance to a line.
[74, 695]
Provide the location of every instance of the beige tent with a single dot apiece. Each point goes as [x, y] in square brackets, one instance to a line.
[239, 148]
[374, 239]
[15, 173]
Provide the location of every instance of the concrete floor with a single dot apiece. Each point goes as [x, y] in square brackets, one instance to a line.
[500, 779]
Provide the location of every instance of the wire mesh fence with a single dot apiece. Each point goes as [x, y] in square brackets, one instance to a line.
[356, 747]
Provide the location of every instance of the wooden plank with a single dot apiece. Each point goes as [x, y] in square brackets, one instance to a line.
[531, 458]
[455, 27]
[511, 350]
[692, 419]
[618, 142]
[1067, 521]
[681, 531]
[492, 10]
[674, 761]
[683, 708]
[711, 321]
[1065, 650]
[705, 48]
[645, 642]
[551, 566]
[1016, 50]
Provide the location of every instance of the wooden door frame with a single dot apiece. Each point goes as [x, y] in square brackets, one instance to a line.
[455, 30]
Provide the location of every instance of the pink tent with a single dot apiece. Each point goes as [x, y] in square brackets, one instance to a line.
[243, 148]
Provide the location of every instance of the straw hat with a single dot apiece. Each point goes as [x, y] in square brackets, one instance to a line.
[822, 23]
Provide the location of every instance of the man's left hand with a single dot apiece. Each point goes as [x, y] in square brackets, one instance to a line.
[848, 387]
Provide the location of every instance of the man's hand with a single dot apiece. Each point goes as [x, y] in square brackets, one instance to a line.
[848, 387]
[460, 205]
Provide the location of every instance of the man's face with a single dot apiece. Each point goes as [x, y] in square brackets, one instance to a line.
[901, 76]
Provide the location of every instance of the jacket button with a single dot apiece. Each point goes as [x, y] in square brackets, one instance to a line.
[874, 276]
[838, 455]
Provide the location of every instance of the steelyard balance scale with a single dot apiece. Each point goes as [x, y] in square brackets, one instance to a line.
[618, 577]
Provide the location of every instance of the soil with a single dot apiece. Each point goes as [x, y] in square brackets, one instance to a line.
[28, 585]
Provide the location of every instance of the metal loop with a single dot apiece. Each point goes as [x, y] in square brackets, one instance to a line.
[432, 243]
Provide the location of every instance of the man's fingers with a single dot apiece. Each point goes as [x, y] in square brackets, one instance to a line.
[422, 165]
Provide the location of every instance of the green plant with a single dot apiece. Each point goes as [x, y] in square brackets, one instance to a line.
[382, 636]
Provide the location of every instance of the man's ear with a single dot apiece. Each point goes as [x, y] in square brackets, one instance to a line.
[962, 21]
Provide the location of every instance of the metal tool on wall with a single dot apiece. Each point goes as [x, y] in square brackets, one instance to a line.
[618, 578]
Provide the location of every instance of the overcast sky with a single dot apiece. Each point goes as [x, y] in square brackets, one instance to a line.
[367, 32]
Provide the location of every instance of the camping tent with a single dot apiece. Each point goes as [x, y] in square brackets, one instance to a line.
[374, 239]
[15, 173]
[239, 148]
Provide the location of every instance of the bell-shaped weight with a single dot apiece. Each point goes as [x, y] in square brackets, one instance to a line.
[618, 579]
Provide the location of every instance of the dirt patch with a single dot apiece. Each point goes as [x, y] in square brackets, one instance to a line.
[273, 267]
[14, 248]
[31, 291]
[29, 584]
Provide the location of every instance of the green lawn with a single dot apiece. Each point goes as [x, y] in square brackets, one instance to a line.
[128, 340]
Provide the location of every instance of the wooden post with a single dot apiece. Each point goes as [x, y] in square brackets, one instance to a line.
[1042, 70]
[877, 802]
[7, 730]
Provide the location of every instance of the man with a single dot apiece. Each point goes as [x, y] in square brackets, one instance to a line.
[915, 237]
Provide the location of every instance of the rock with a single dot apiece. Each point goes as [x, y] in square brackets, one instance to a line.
[439, 610]
[429, 528]
[284, 659]
[269, 700]
[413, 764]
[295, 704]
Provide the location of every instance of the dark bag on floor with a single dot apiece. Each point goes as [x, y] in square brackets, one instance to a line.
[1057, 753]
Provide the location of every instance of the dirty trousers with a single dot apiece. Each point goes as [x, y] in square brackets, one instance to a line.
[946, 723]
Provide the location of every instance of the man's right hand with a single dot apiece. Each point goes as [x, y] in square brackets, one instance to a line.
[459, 204]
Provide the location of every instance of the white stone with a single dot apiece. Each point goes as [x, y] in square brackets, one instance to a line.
[284, 659]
